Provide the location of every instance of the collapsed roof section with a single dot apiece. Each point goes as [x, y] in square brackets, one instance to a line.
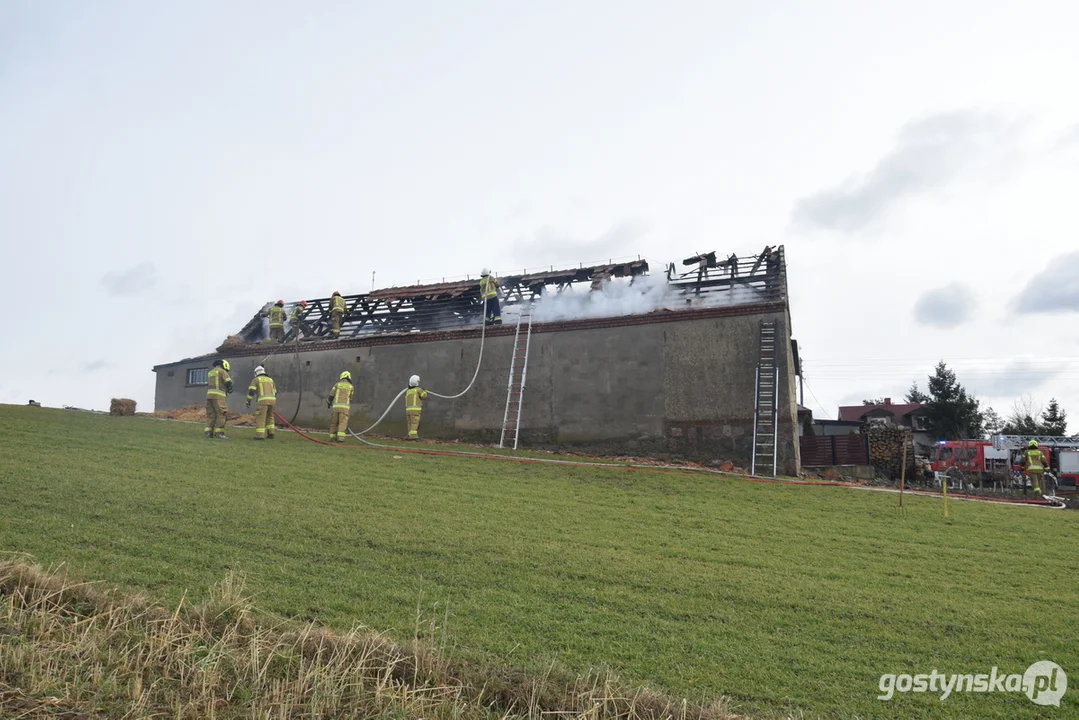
[445, 306]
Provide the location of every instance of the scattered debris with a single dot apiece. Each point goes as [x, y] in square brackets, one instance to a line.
[122, 406]
[197, 413]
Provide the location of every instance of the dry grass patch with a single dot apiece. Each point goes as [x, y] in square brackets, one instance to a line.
[70, 650]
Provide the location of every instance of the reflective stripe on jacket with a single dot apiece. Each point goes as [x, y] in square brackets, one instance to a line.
[414, 398]
[342, 395]
[297, 313]
[277, 316]
[338, 304]
[217, 382]
[488, 287]
[1035, 460]
[265, 387]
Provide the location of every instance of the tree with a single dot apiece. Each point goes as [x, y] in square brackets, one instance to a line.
[951, 413]
[1023, 418]
[873, 401]
[914, 395]
[994, 423]
[1054, 420]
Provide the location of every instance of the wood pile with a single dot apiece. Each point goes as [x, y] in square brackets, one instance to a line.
[886, 450]
[122, 406]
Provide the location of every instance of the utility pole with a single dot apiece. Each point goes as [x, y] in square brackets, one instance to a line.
[372, 281]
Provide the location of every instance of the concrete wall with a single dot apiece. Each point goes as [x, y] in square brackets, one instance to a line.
[680, 389]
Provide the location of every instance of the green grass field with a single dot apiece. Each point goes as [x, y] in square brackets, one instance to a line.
[784, 598]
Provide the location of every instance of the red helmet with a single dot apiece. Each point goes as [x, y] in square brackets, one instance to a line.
[303, 303]
[281, 302]
[335, 293]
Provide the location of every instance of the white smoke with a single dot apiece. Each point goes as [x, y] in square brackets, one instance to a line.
[620, 297]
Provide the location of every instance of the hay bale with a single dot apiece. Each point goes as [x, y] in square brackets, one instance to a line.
[122, 406]
[232, 342]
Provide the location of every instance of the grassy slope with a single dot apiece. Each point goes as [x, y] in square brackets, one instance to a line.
[776, 595]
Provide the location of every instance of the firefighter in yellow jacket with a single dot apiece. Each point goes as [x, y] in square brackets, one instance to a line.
[277, 321]
[337, 314]
[489, 296]
[296, 322]
[264, 388]
[340, 401]
[1034, 463]
[414, 397]
[218, 385]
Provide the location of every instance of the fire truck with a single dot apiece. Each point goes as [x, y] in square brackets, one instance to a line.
[999, 462]
[972, 462]
[1062, 453]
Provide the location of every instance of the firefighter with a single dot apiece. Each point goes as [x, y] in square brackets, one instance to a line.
[489, 294]
[414, 397]
[218, 385]
[277, 321]
[295, 320]
[1034, 464]
[340, 402]
[262, 385]
[337, 314]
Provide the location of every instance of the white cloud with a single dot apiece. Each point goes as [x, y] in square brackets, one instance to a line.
[929, 154]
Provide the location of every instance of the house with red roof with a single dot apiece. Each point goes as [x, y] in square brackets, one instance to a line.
[909, 415]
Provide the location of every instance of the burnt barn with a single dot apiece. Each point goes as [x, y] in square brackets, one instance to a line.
[691, 361]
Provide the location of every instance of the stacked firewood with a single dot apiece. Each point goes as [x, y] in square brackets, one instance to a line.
[886, 450]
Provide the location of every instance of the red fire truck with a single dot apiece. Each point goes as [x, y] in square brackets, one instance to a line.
[972, 461]
[1061, 452]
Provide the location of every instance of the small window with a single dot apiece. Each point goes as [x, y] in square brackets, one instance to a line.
[919, 422]
[944, 453]
[197, 376]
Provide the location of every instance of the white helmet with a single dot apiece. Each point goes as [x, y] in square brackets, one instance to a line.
[260, 370]
[414, 381]
[485, 272]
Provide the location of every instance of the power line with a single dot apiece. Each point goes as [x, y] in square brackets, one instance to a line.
[814, 395]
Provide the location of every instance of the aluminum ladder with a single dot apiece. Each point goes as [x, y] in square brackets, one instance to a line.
[515, 390]
[766, 402]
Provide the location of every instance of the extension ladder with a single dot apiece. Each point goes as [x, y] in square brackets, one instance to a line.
[515, 391]
[766, 402]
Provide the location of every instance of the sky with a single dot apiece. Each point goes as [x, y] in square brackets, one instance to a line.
[168, 167]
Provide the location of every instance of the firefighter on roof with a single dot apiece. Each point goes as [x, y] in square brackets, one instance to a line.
[340, 402]
[1034, 463]
[489, 295]
[277, 321]
[262, 386]
[218, 385]
[414, 397]
[337, 314]
[295, 320]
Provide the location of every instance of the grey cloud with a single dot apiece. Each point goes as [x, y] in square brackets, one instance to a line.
[95, 365]
[1016, 379]
[551, 245]
[132, 281]
[1054, 290]
[929, 153]
[945, 307]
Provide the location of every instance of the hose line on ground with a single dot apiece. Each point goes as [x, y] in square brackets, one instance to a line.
[476, 374]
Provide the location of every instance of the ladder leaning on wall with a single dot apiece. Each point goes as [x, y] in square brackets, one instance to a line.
[515, 391]
[766, 402]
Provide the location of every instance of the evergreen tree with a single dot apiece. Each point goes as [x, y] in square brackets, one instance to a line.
[1023, 418]
[1054, 420]
[914, 395]
[951, 413]
[873, 401]
[994, 423]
